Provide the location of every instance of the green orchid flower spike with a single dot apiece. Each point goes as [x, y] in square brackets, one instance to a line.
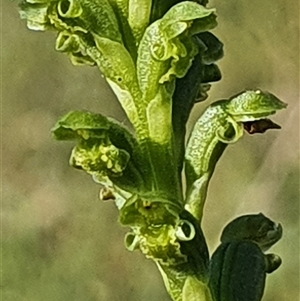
[159, 58]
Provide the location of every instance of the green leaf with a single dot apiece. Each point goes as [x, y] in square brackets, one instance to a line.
[220, 125]
[105, 149]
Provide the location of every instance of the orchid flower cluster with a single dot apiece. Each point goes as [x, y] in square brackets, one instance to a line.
[159, 58]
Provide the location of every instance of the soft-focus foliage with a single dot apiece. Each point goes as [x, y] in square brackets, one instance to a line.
[59, 241]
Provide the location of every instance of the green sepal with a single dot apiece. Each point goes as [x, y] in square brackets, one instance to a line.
[210, 73]
[159, 7]
[99, 18]
[105, 149]
[116, 64]
[253, 105]
[239, 263]
[253, 227]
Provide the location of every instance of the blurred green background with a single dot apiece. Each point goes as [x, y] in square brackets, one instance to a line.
[59, 242]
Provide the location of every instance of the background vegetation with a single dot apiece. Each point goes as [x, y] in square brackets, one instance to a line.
[59, 242]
